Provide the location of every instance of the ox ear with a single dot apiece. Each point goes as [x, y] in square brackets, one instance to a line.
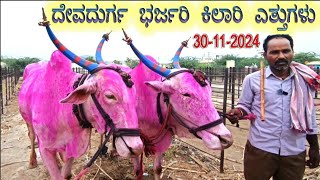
[160, 86]
[80, 94]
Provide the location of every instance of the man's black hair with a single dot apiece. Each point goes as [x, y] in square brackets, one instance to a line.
[266, 41]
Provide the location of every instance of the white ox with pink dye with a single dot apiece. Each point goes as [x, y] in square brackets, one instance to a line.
[182, 97]
[46, 103]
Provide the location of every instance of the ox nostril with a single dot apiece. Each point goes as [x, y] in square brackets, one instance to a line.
[226, 141]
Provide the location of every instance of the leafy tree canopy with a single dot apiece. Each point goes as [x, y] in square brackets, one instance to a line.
[131, 62]
[117, 62]
[19, 63]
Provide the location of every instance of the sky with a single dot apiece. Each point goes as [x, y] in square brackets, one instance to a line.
[21, 36]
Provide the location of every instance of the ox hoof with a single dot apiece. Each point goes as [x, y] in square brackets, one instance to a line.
[139, 174]
[68, 177]
[113, 154]
[33, 165]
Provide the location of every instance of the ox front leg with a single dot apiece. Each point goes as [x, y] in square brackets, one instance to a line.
[50, 161]
[33, 156]
[66, 169]
[138, 169]
[157, 168]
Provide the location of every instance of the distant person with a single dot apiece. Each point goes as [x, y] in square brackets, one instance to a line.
[276, 147]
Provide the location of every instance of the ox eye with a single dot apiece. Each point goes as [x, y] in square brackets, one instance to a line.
[110, 96]
[186, 95]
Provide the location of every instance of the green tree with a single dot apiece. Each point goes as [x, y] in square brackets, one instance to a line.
[222, 62]
[242, 62]
[90, 58]
[19, 63]
[305, 57]
[131, 63]
[117, 62]
[189, 62]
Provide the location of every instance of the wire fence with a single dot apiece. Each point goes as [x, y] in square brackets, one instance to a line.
[9, 80]
[233, 84]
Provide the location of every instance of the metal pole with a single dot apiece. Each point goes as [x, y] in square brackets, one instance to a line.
[230, 79]
[239, 80]
[9, 84]
[1, 94]
[233, 71]
[12, 81]
[225, 94]
[6, 83]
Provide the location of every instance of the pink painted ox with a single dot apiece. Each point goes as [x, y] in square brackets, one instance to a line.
[174, 102]
[107, 99]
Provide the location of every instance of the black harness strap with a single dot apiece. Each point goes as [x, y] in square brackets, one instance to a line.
[116, 132]
[178, 117]
[77, 109]
[161, 120]
[104, 115]
[79, 113]
[125, 76]
[178, 72]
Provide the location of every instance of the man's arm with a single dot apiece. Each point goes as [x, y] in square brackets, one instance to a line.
[314, 156]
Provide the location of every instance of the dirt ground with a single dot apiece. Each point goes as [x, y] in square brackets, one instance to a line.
[186, 159]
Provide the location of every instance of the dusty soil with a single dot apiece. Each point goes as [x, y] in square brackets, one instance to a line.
[186, 159]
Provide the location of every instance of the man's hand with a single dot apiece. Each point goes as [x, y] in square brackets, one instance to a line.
[314, 156]
[234, 115]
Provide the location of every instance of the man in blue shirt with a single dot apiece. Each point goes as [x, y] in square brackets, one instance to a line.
[276, 146]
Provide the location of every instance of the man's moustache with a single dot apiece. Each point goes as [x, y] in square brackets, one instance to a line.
[281, 61]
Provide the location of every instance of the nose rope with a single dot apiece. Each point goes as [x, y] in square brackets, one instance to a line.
[194, 130]
[201, 79]
[179, 118]
[86, 168]
[125, 132]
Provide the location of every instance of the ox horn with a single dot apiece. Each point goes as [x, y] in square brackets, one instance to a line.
[88, 65]
[99, 59]
[151, 65]
[176, 58]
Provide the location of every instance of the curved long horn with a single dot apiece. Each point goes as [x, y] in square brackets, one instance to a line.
[176, 58]
[88, 65]
[151, 65]
[99, 59]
